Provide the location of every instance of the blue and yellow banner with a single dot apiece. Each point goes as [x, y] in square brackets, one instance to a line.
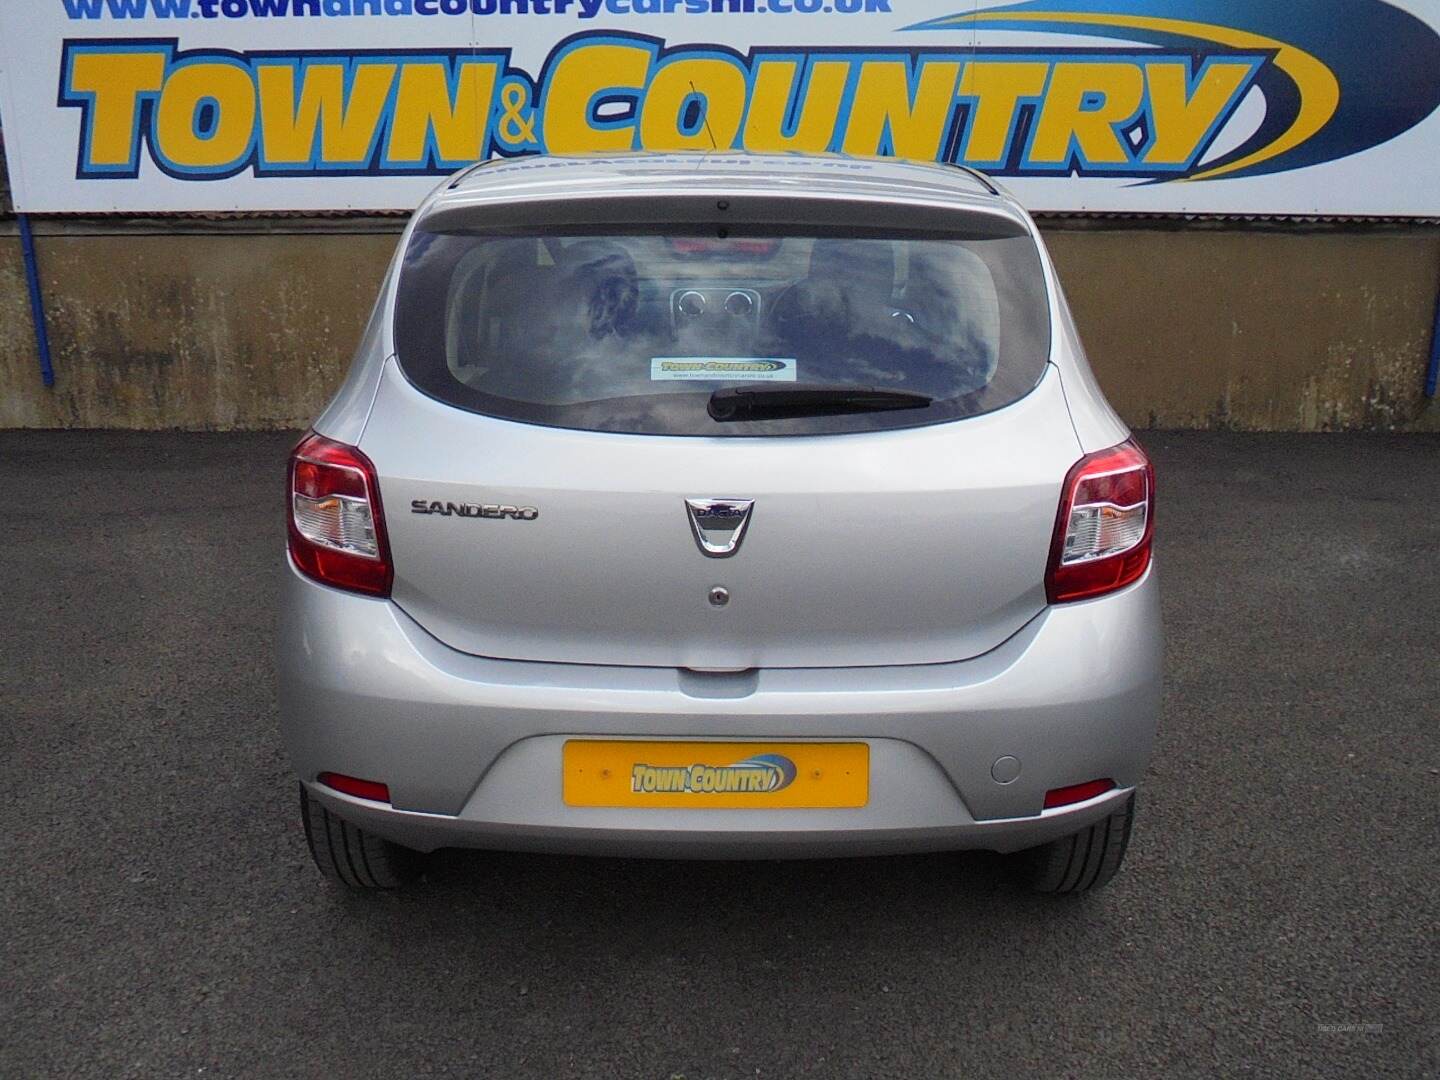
[1315, 106]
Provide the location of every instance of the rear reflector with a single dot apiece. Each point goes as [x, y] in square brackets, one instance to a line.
[337, 529]
[1064, 796]
[1106, 522]
[361, 789]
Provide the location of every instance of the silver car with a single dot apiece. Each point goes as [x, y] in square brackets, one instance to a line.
[721, 506]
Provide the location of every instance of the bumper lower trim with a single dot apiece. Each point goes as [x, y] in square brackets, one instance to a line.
[428, 832]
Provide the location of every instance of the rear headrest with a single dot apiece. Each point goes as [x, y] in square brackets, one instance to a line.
[868, 265]
[600, 277]
[597, 258]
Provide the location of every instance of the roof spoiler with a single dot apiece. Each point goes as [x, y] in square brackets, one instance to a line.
[647, 208]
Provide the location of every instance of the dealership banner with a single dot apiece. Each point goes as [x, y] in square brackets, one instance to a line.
[1193, 106]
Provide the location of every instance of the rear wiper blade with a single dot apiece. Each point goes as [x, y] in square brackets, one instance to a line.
[773, 402]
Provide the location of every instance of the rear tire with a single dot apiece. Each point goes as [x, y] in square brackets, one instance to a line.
[352, 857]
[1079, 862]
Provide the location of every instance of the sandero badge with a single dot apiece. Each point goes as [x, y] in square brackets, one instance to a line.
[473, 510]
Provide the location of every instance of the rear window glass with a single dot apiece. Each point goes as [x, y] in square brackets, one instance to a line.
[635, 333]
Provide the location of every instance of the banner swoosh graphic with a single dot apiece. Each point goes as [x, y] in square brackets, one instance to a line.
[1318, 87]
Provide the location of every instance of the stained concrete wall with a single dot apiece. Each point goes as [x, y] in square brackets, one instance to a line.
[1273, 329]
[195, 325]
[217, 330]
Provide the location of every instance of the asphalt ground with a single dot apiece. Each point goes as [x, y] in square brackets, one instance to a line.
[159, 916]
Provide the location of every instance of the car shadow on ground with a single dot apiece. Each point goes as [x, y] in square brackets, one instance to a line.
[634, 899]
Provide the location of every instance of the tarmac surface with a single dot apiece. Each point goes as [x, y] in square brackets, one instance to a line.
[159, 916]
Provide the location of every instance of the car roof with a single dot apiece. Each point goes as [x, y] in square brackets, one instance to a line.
[557, 179]
[711, 166]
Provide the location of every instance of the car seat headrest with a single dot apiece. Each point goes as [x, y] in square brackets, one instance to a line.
[867, 265]
[600, 277]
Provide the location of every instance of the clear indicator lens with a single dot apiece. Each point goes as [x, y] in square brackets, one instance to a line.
[1097, 531]
[338, 522]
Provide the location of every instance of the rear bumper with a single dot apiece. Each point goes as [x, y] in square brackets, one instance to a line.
[470, 747]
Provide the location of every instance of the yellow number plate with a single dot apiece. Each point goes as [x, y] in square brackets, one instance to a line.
[716, 775]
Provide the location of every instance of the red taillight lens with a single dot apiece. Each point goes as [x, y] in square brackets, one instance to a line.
[1106, 522]
[337, 528]
[350, 785]
[1065, 796]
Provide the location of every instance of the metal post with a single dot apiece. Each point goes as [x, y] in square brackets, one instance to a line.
[1432, 373]
[37, 303]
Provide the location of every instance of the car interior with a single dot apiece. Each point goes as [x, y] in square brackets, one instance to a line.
[549, 318]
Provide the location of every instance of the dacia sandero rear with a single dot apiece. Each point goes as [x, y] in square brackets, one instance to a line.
[720, 506]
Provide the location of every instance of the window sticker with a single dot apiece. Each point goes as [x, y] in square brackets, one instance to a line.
[722, 369]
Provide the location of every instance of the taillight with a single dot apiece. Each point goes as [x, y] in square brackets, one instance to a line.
[337, 529]
[1106, 522]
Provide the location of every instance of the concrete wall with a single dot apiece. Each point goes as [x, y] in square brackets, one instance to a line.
[1273, 329]
[232, 325]
[211, 331]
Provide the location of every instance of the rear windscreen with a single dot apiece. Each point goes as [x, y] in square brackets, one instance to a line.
[635, 333]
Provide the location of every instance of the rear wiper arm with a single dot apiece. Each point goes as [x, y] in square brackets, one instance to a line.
[773, 402]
